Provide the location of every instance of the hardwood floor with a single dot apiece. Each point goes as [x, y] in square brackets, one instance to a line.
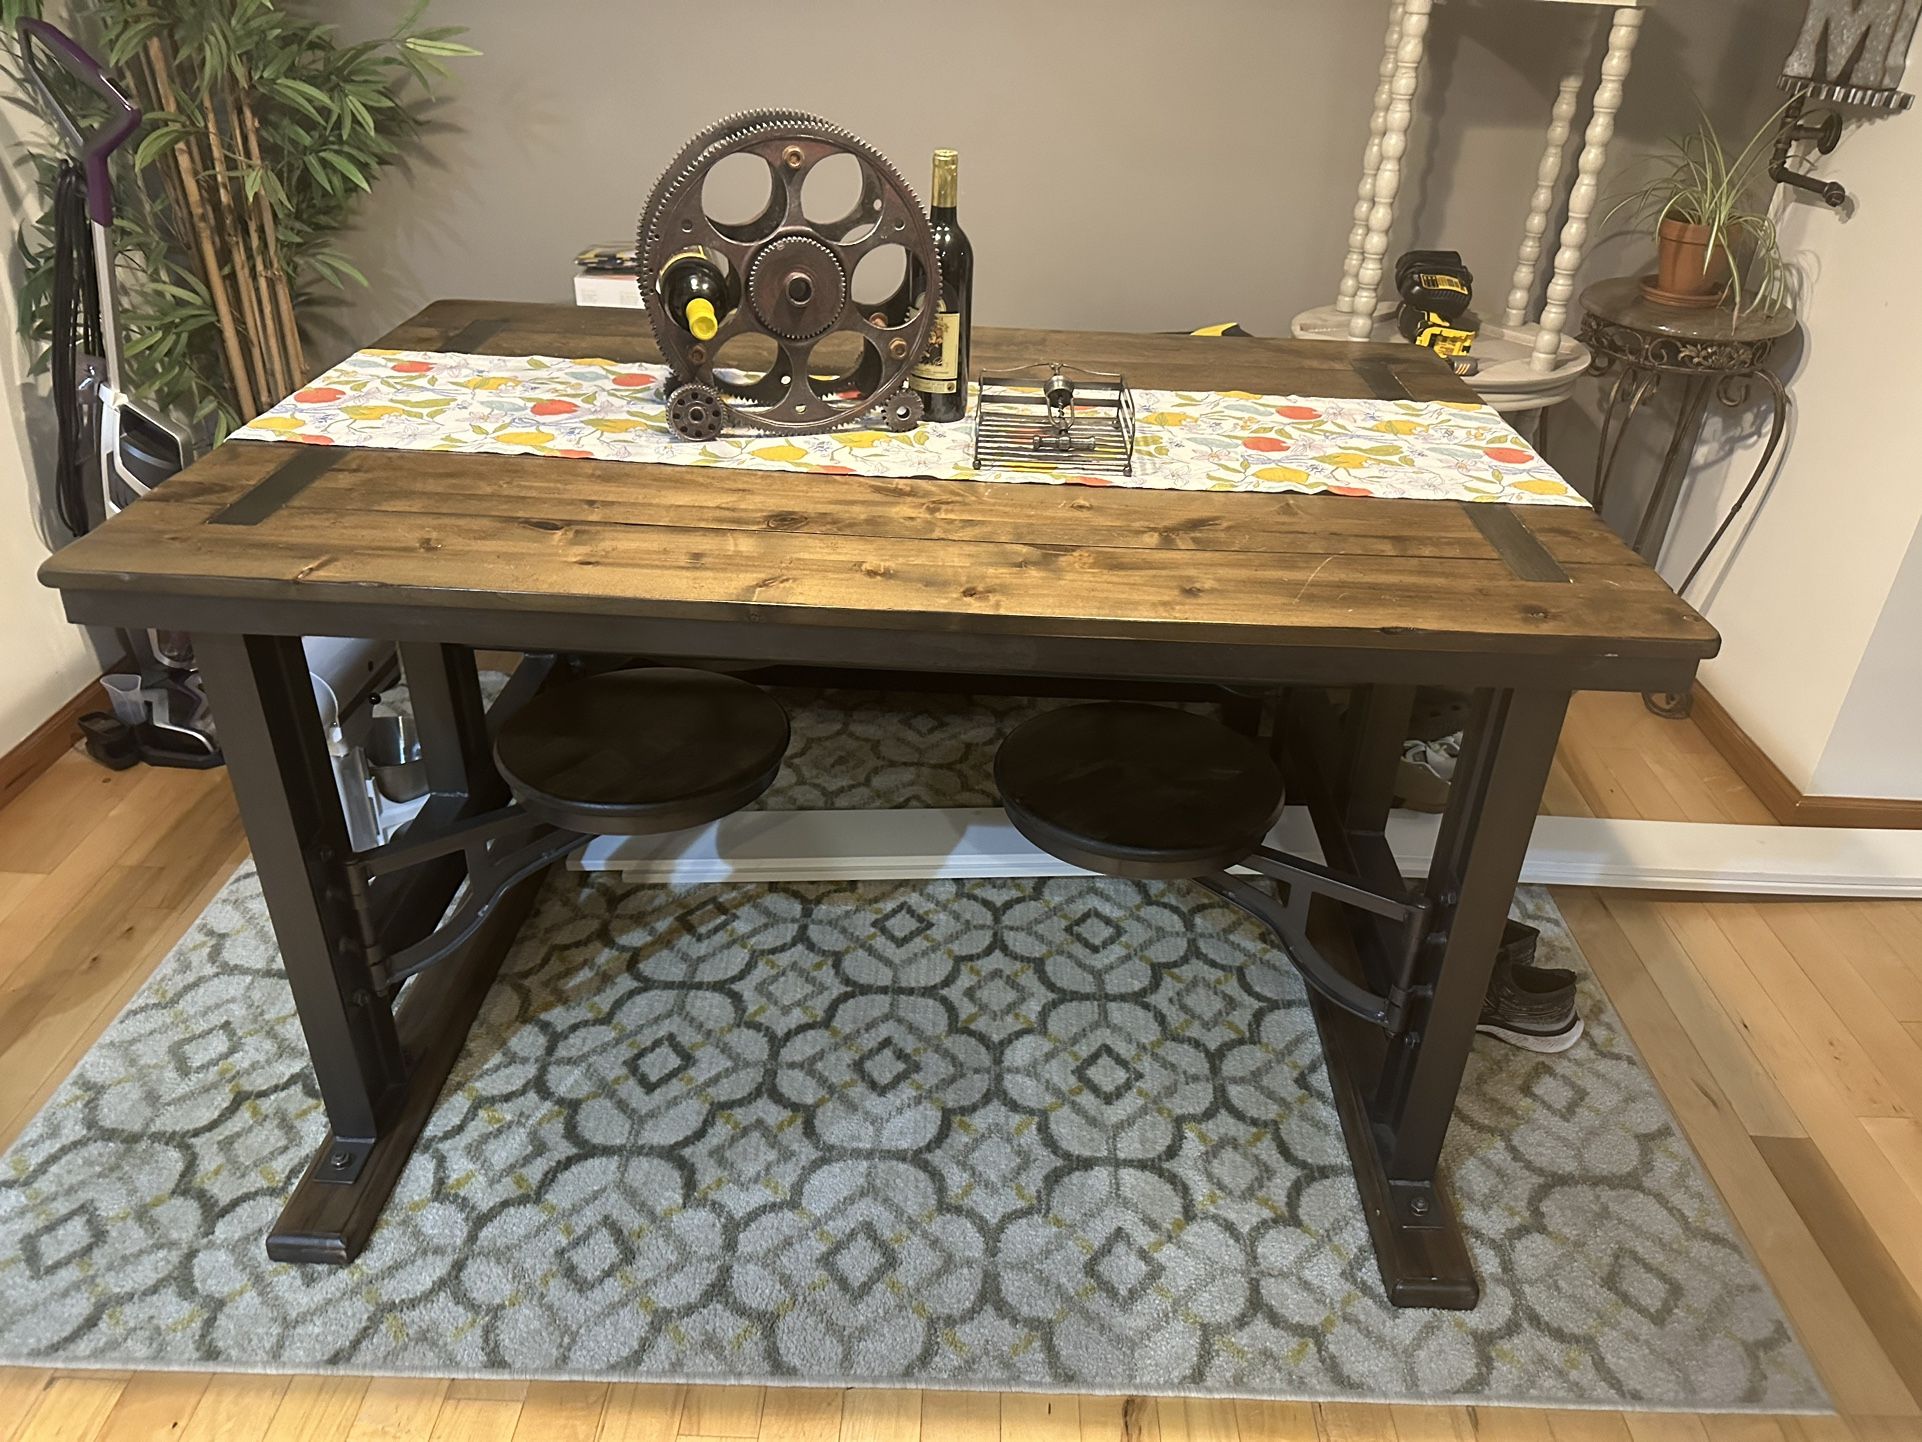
[1786, 1036]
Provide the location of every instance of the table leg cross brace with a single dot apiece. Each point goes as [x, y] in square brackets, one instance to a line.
[1287, 917]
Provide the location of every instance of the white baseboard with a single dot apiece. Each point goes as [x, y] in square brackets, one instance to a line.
[1565, 851]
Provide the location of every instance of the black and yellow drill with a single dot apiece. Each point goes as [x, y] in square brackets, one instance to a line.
[1436, 291]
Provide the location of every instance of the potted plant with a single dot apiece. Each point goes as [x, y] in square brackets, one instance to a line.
[262, 131]
[1714, 238]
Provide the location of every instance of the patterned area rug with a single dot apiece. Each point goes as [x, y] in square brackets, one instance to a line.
[891, 750]
[1061, 1134]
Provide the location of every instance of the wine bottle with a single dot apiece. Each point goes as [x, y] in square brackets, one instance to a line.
[942, 374]
[694, 289]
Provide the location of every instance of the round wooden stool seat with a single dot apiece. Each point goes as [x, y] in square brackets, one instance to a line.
[1128, 789]
[632, 753]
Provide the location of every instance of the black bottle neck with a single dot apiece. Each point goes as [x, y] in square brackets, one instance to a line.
[941, 214]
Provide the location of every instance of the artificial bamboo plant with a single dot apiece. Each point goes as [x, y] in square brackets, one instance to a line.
[263, 129]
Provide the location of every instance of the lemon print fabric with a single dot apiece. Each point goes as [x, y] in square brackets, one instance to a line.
[611, 410]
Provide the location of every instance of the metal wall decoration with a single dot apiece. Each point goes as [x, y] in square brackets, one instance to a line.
[1853, 52]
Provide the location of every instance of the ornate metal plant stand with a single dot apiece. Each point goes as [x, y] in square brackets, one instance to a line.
[1712, 356]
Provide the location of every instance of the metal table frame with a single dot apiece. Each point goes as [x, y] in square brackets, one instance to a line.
[380, 1062]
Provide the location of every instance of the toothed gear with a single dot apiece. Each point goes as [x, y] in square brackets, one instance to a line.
[791, 274]
[797, 287]
[696, 412]
[904, 410]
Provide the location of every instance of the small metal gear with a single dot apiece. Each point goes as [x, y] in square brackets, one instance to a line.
[696, 412]
[903, 411]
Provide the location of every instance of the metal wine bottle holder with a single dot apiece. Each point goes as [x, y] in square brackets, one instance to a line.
[790, 278]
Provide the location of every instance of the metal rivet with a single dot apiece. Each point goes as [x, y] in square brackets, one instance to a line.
[898, 348]
[791, 157]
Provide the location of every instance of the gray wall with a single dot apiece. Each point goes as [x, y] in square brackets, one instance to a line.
[1217, 149]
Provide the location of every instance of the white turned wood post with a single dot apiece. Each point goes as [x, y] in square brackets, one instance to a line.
[1624, 29]
[1370, 160]
[1394, 145]
[1541, 205]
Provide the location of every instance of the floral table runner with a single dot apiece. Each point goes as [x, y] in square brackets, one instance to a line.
[1184, 440]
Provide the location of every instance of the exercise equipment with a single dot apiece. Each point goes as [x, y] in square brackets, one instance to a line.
[789, 283]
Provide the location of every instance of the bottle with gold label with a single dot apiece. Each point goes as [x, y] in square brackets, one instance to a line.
[694, 289]
[942, 375]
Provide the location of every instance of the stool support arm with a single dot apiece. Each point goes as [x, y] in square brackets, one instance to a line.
[492, 871]
[1287, 918]
[486, 885]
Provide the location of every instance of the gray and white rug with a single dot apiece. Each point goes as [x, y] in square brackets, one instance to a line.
[1069, 1134]
[890, 750]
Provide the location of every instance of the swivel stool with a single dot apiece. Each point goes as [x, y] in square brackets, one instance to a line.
[623, 753]
[1149, 792]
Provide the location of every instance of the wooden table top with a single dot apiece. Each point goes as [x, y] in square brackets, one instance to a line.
[543, 552]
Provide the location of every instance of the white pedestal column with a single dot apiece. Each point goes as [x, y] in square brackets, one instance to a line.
[1541, 205]
[1394, 145]
[1624, 29]
[1370, 161]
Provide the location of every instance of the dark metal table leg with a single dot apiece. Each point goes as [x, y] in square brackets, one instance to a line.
[1396, 1096]
[1778, 423]
[277, 761]
[1631, 391]
[380, 1066]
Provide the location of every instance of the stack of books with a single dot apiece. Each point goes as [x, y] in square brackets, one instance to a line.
[606, 275]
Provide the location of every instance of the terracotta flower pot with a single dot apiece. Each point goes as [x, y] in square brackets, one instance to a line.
[1688, 269]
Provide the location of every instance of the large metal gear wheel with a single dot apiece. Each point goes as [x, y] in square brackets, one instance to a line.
[792, 275]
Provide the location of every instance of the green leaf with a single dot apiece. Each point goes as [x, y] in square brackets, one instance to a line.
[323, 177]
[346, 167]
[357, 113]
[156, 143]
[302, 96]
[421, 45]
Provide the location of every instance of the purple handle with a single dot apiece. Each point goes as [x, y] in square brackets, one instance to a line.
[93, 149]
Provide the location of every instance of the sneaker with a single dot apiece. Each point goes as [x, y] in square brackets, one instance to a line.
[1518, 944]
[1427, 769]
[1529, 1006]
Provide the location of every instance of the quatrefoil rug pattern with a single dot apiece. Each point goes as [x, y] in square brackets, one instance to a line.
[1069, 1134]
